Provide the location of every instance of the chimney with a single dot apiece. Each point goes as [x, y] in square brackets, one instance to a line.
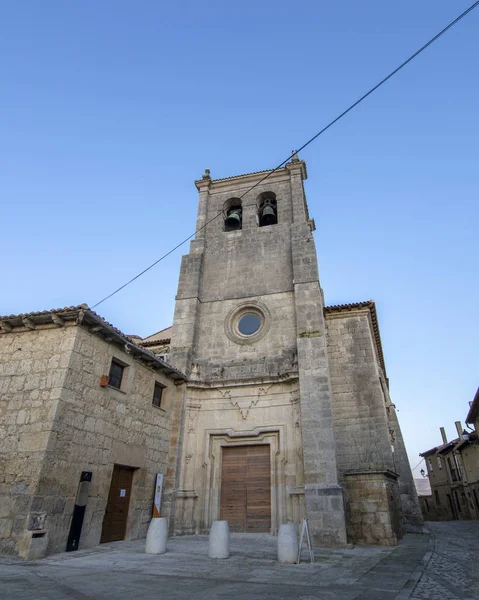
[459, 429]
[443, 433]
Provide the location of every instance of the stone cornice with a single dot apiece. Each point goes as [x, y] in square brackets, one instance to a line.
[217, 185]
[234, 383]
[385, 472]
[298, 166]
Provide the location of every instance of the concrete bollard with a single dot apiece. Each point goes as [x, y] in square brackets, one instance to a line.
[287, 543]
[157, 536]
[219, 541]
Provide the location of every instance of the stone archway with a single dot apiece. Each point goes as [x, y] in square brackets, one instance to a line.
[270, 437]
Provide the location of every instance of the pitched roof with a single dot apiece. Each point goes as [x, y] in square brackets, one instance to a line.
[160, 337]
[83, 315]
[441, 449]
[242, 175]
[278, 170]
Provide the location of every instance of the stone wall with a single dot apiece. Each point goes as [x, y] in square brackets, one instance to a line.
[372, 508]
[234, 266]
[470, 462]
[67, 423]
[412, 515]
[367, 431]
[33, 368]
[359, 409]
[219, 357]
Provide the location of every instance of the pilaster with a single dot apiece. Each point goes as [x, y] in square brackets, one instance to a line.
[323, 494]
[297, 173]
[203, 186]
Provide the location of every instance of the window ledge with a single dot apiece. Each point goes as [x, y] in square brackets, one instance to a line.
[112, 387]
[159, 408]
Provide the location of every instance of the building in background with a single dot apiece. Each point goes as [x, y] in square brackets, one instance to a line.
[453, 472]
[87, 420]
[288, 413]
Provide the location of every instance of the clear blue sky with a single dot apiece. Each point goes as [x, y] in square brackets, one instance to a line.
[109, 110]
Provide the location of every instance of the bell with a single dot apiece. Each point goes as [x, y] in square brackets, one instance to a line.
[233, 219]
[268, 215]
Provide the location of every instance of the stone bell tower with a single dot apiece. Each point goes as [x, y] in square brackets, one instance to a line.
[249, 332]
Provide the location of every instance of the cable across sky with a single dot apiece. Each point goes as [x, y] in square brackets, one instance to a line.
[312, 139]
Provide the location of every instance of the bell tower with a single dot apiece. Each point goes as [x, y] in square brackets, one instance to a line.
[249, 332]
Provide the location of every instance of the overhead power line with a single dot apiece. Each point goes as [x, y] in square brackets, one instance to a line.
[412, 470]
[330, 124]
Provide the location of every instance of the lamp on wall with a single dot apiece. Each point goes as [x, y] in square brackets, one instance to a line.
[423, 472]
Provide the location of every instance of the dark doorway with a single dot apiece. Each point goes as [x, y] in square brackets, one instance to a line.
[453, 508]
[116, 513]
[246, 488]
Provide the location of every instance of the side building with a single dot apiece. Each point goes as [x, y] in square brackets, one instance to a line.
[453, 472]
[88, 418]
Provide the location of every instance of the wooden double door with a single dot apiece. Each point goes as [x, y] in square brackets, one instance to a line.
[246, 488]
[116, 513]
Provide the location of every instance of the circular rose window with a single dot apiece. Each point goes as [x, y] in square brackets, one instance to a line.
[248, 322]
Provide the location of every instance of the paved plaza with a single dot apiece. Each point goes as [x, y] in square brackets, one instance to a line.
[442, 564]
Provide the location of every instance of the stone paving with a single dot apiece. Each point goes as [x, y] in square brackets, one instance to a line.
[440, 565]
[453, 570]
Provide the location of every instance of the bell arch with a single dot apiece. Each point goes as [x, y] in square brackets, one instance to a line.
[233, 212]
[267, 209]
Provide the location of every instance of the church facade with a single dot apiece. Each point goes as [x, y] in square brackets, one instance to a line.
[259, 406]
[287, 410]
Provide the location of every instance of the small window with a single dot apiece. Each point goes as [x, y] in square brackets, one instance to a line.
[453, 471]
[436, 495]
[439, 462]
[116, 374]
[429, 462]
[157, 394]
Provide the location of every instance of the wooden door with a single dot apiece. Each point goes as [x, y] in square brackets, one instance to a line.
[246, 488]
[116, 513]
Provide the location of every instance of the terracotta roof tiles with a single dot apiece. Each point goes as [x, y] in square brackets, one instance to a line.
[83, 315]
